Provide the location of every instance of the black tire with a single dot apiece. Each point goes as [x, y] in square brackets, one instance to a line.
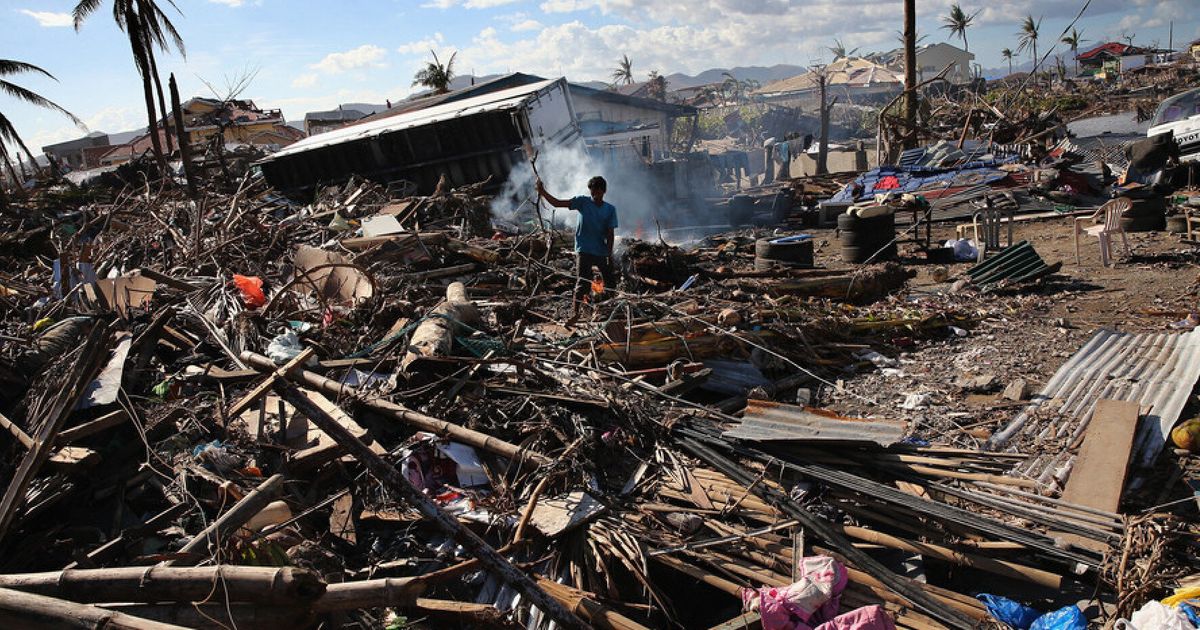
[766, 264]
[1144, 224]
[741, 209]
[1177, 224]
[859, 255]
[799, 252]
[854, 238]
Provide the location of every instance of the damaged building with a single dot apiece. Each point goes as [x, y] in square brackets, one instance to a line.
[480, 131]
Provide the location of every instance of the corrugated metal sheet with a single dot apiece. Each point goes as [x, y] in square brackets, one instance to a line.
[1018, 263]
[1156, 370]
[766, 421]
[511, 98]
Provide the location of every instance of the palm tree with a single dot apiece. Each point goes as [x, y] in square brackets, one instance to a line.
[657, 86]
[1007, 54]
[839, 50]
[623, 72]
[1074, 40]
[8, 132]
[957, 23]
[1029, 37]
[436, 76]
[147, 27]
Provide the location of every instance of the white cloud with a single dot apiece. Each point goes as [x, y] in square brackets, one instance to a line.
[107, 120]
[487, 4]
[526, 25]
[305, 80]
[365, 56]
[421, 46]
[568, 6]
[50, 19]
[229, 3]
[470, 4]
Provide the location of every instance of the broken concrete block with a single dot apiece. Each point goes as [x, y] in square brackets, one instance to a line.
[1017, 390]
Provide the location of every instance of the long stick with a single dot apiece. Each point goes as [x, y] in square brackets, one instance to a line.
[266, 585]
[29, 611]
[421, 421]
[237, 516]
[390, 477]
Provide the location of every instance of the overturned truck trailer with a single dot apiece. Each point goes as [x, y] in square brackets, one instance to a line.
[466, 140]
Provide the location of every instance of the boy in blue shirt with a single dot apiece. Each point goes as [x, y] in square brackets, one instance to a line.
[594, 236]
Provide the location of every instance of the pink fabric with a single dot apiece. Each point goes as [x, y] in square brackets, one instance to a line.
[865, 618]
[798, 606]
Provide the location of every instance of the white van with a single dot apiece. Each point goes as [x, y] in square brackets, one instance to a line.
[1181, 115]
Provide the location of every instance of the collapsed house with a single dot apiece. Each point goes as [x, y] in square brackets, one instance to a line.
[466, 140]
[480, 131]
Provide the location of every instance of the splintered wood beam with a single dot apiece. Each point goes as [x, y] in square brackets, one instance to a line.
[266, 585]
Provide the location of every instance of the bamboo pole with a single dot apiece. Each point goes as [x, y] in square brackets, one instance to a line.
[267, 585]
[29, 611]
[333, 388]
[228, 522]
[228, 614]
[584, 604]
[370, 594]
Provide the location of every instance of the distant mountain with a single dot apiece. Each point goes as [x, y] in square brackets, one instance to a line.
[366, 108]
[762, 74]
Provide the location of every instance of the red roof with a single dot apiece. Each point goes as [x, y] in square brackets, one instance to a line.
[1115, 49]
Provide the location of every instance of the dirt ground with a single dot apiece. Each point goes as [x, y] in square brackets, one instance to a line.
[1022, 334]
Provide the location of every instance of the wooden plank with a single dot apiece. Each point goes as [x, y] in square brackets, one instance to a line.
[1099, 473]
[744, 621]
[92, 427]
[1102, 463]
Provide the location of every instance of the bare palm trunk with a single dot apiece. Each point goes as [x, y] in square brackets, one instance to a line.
[162, 102]
[823, 146]
[143, 66]
[910, 74]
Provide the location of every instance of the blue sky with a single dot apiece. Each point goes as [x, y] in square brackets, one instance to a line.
[314, 55]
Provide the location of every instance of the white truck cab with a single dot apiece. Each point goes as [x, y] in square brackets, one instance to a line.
[1180, 114]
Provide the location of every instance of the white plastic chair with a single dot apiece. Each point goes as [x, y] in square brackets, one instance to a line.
[1111, 212]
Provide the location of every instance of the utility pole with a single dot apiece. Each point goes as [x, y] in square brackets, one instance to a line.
[910, 74]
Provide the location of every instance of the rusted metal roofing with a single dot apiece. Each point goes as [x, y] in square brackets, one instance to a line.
[767, 421]
[1156, 370]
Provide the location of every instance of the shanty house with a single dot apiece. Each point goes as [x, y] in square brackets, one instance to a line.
[619, 127]
[847, 77]
[1093, 61]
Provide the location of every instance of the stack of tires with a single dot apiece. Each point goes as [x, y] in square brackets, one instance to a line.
[1148, 214]
[794, 252]
[861, 238]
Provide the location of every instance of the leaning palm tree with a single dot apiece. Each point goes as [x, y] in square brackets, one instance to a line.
[436, 76]
[957, 23]
[147, 27]
[1074, 40]
[8, 132]
[1028, 38]
[623, 73]
[840, 51]
[1007, 54]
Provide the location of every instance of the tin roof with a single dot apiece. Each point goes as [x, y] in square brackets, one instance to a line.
[767, 421]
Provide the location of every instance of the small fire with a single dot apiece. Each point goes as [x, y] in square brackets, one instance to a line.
[597, 286]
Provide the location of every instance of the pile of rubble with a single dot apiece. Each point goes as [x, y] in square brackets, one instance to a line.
[367, 411]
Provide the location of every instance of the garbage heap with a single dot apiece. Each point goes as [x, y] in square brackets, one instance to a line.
[368, 411]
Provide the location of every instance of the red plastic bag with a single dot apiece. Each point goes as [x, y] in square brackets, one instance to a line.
[252, 290]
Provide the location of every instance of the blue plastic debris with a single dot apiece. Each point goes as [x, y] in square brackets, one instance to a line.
[1065, 618]
[1008, 611]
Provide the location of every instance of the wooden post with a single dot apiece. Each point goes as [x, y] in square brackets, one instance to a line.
[390, 477]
